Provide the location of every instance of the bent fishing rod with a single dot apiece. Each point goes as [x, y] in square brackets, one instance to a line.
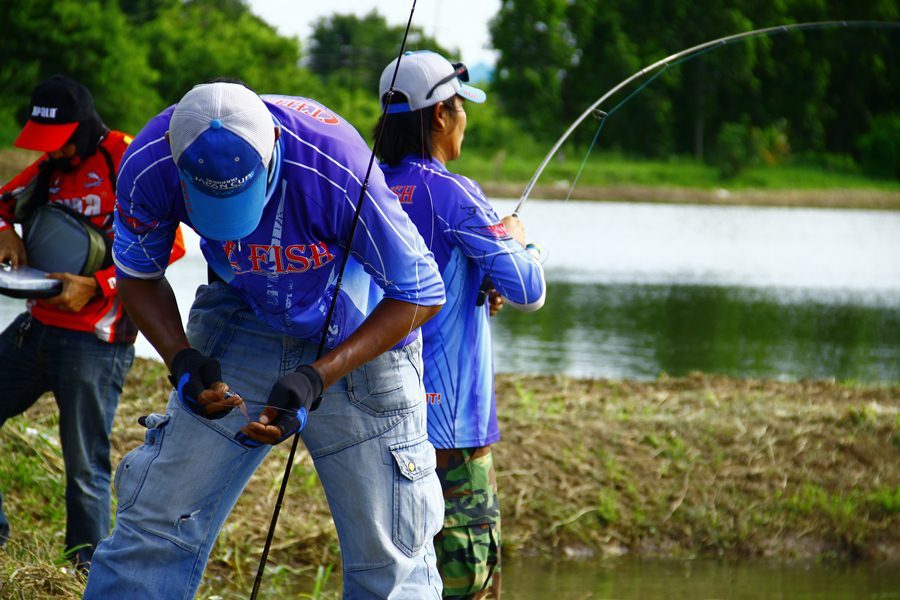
[331, 307]
[677, 58]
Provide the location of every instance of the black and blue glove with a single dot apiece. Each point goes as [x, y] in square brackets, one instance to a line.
[292, 398]
[191, 374]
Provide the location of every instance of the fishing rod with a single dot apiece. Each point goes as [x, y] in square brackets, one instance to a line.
[679, 57]
[301, 413]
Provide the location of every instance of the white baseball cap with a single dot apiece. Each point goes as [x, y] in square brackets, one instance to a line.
[426, 78]
[222, 138]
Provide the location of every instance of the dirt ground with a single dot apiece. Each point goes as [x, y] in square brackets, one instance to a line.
[678, 467]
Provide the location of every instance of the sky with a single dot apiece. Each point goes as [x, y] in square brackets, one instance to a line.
[461, 24]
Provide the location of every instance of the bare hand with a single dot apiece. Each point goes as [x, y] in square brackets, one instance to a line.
[262, 429]
[76, 293]
[12, 248]
[515, 227]
[218, 398]
[495, 302]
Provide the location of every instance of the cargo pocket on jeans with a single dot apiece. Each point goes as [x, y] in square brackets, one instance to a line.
[413, 483]
[132, 469]
[389, 384]
[382, 373]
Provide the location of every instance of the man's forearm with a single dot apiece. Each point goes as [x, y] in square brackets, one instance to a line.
[151, 305]
[389, 323]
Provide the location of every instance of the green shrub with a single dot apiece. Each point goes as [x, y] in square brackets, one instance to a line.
[734, 149]
[880, 148]
[741, 145]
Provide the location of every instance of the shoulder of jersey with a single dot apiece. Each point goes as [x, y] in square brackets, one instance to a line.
[117, 139]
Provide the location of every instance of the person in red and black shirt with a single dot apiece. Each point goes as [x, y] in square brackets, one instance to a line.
[78, 344]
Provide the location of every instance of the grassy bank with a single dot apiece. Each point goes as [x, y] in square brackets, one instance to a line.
[697, 466]
[612, 178]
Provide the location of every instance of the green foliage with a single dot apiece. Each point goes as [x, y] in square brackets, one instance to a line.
[880, 147]
[88, 40]
[536, 52]
[740, 145]
[351, 52]
[607, 506]
[138, 57]
[563, 56]
[734, 149]
[886, 500]
[222, 43]
[556, 58]
[812, 499]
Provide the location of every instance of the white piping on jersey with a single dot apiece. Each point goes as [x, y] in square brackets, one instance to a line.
[103, 328]
[383, 272]
[139, 175]
[140, 238]
[136, 274]
[272, 292]
[141, 149]
[375, 204]
[515, 263]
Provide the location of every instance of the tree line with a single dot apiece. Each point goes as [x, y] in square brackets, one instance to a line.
[826, 94]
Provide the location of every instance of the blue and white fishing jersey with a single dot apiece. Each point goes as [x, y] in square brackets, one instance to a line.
[468, 241]
[287, 267]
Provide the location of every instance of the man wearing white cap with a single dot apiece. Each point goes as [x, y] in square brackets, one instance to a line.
[424, 125]
[271, 185]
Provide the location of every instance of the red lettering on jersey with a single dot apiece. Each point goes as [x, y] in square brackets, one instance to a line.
[320, 254]
[311, 110]
[295, 258]
[297, 262]
[279, 261]
[259, 253]
[498, 230]
[404, 193]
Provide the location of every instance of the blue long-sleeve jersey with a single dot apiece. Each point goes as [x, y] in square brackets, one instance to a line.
[287, 267]
[468, 241]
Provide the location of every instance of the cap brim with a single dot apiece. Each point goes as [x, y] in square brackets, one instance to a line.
[226, 218]
[44, 137]
[471, 94]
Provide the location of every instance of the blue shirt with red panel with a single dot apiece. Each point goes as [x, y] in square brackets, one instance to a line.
[469, 242]
[286, 269]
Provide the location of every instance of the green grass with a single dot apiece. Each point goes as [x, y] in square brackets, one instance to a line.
[605, 169]
[787, 470]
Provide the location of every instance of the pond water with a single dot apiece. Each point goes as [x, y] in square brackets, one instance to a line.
[636, 290]
[527, 578]
[532, 579]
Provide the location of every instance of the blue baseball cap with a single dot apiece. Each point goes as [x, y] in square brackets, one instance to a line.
[222, 138]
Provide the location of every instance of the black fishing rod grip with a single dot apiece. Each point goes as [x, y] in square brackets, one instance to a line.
[486, 286]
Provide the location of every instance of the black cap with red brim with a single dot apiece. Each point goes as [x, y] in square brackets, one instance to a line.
[58, 104]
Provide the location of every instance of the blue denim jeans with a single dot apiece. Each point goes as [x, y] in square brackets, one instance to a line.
[86, 376]
[368, 442]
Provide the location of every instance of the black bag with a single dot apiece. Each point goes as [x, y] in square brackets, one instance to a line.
[58, 239]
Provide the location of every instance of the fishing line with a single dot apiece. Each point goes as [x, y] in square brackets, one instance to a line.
[604, 115]
[337, 287]
[678, 58]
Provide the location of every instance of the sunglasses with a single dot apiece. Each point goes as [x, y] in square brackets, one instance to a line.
[459, 70]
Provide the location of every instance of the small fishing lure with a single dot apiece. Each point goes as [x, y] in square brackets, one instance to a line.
[242, 406]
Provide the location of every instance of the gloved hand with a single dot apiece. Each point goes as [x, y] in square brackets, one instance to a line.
[291, 400]
[192, 374]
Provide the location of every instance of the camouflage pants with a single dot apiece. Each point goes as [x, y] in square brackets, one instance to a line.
[468, 548]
